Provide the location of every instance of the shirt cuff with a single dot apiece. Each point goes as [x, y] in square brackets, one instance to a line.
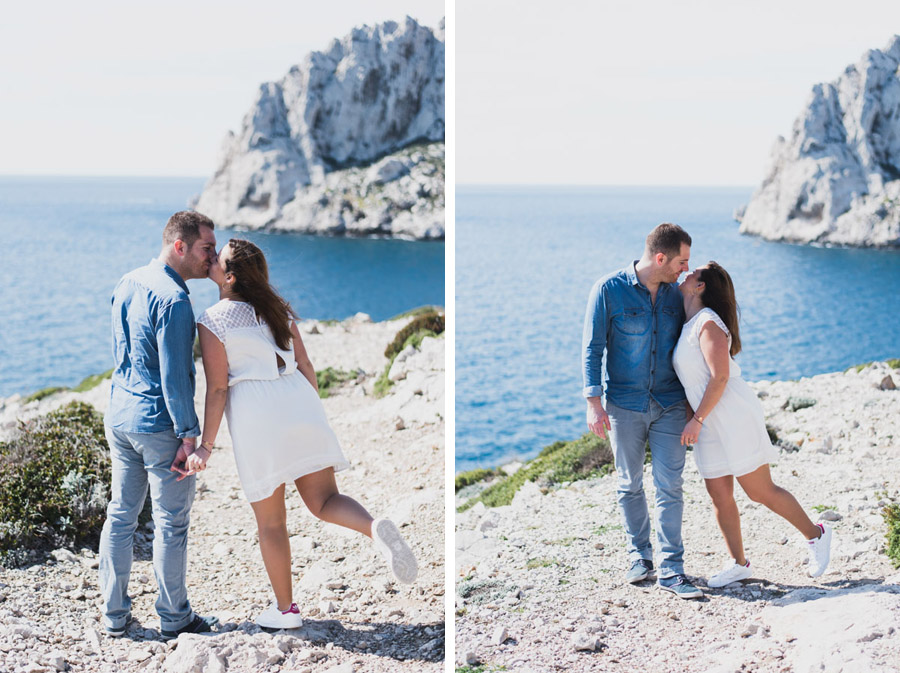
[190, 432]
[592, 391]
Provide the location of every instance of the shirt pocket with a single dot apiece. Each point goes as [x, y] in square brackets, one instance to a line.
[671, 323]
[633, 321]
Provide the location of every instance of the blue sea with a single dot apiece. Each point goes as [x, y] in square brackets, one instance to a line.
[66, 242]
[526, 259]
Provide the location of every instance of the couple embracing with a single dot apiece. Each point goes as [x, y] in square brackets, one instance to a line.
[670, 381]
[260, 378]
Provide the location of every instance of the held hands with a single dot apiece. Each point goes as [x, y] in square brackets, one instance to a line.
[597, 418]
[189, 459]
[691, 432]
[196, 462]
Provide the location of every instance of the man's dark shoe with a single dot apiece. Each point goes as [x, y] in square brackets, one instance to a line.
[640, 570]
[680, 586]
[197, 625]
[119, 632]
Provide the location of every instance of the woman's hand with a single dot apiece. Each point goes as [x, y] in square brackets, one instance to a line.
[690, 432]
[196, 462]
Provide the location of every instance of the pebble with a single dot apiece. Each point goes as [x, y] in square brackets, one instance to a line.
[49, 619]
[577, 591]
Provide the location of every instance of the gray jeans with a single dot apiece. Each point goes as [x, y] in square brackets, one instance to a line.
[630, 431]
[139, 461]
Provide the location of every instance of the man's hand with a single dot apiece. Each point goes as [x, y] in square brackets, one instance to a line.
[196, 462]
[181, 456]
[597, 419]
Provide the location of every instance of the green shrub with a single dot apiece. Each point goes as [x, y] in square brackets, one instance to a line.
[427, 325]
[562, 462]
[54, 482]
[329, 378]
[91, 382]
[432, 321]
[464, 479]
[45, 392]
[421, 310]
[892, 519]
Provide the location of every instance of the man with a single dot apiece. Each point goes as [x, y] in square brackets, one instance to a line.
[151, 425]
[634, 316]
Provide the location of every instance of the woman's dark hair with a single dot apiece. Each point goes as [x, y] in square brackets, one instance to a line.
[719, 296]
[251, 283]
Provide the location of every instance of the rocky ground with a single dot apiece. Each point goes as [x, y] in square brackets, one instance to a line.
[355, 617]
[540, 582]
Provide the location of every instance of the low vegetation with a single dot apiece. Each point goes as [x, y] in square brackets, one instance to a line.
[464, 479]
[427, 324]
[891, 514]
[330, 378]
[54, 483]
[562, 462]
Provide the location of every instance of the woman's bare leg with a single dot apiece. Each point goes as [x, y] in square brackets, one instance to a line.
[721, 490]
[271, 520]
[320, 494]
[759, 488]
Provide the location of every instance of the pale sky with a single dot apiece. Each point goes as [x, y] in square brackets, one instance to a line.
[122, 88]
[644, 93]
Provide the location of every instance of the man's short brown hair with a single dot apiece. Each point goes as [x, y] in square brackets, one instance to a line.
[185, 226]
[667, 239]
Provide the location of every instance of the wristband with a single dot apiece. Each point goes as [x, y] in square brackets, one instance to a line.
[699, 419]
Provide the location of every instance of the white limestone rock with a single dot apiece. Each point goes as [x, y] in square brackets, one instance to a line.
[836, 180]
[349, 142]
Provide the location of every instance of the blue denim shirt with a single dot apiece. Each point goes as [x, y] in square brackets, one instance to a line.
[153, 338]
[638, 338]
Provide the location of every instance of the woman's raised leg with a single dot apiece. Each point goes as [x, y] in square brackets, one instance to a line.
[320, 494]
[721, 490]
[759, 487]
[271, 520]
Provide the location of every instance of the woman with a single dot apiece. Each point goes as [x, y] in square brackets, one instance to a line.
[259, 375]
[728, 429]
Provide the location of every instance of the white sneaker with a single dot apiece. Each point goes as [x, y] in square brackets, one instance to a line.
[819, 551]
[396, 552]
[732, 572]
[273, 618]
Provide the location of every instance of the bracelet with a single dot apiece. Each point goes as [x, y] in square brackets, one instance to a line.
[699, 419]
[208, 446]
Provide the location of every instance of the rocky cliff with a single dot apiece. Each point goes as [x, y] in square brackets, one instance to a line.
[350, 141]
[836, 180]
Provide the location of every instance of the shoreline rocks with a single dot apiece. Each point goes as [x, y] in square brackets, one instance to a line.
[349, 142]
[836, 179]
[548, 568]
[355, 616]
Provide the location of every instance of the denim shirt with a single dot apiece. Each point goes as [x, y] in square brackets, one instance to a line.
[153, 338]
[638, 338]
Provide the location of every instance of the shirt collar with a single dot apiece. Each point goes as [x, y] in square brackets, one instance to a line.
[170, 272]
[631, 274]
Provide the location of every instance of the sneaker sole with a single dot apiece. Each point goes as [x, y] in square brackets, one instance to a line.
[401, 559]
[278, 627]
[685, 596]
[719, 585]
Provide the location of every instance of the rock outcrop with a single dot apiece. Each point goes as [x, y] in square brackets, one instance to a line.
[836, 180]
[548, 568]
[349, 142]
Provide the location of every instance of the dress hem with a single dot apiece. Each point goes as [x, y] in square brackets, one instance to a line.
[265, 491]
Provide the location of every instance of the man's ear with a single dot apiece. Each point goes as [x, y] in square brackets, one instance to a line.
[660, 258]
[180, 247]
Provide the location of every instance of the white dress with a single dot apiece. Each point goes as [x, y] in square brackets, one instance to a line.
[733, 438]
[276, 419]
